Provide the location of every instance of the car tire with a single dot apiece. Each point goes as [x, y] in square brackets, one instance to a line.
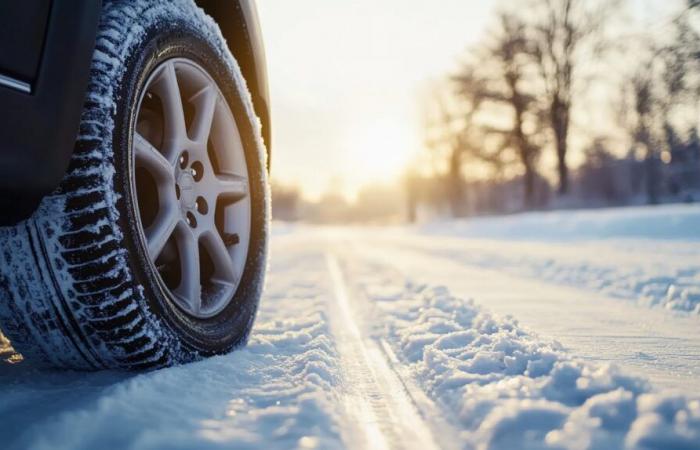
[80, 286]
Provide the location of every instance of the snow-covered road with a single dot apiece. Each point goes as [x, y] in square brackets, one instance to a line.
[655, 342]
[369, 338]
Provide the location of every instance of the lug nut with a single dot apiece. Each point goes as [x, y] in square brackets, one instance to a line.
[191, 219]
[202, 206]
[197, 170]
[184, 158]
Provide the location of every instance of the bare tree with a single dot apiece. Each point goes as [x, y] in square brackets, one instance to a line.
[448, 136]
[561, 31]
[644, 101]
[664, 83]
[500, 80]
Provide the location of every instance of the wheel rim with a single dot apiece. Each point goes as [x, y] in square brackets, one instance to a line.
[191, 186]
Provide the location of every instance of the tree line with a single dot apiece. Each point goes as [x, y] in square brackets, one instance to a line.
[512, 105]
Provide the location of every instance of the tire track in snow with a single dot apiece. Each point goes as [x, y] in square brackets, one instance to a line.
[605, 330]
[381, 411]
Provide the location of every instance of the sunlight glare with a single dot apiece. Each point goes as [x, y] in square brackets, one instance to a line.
[383, 150]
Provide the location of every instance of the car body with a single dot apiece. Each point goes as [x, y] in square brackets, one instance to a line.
[46, 48]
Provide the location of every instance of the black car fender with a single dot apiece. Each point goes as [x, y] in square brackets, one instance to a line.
[45, 58]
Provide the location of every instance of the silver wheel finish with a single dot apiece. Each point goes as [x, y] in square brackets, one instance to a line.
[191, 186]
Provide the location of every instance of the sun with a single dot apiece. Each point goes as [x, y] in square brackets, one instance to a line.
[383, 150]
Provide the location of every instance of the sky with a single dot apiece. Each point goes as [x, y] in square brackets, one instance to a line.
[346, 78]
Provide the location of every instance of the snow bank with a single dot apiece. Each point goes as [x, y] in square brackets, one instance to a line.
[645, 254]
[509, 389]
[278, 392]
[658, 222]
[8, 355]
[651, 273]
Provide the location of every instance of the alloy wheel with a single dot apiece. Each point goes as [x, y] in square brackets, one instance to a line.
[191, 186]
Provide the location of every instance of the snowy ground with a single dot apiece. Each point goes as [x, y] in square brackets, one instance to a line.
[369, 338]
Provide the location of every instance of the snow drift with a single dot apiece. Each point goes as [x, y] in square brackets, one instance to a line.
[507, 388]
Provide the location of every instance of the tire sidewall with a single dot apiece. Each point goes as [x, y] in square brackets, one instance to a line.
[230, 327]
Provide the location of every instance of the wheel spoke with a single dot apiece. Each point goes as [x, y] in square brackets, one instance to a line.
[190, 289]
[169, 92]
[150, 158]
[232, 188]
[205, 104]
[224, 272]
[161, 230]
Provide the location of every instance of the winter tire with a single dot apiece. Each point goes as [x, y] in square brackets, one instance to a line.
[152, 251]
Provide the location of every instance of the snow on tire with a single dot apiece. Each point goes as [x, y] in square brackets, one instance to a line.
[78, 288]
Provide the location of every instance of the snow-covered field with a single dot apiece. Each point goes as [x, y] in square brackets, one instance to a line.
[403, 338]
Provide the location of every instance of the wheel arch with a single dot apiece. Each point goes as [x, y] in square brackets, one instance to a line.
[239, 24]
